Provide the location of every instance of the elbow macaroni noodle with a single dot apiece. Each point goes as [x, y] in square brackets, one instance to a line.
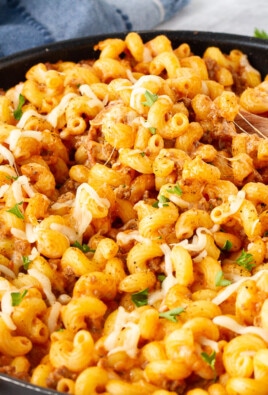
[134, 223]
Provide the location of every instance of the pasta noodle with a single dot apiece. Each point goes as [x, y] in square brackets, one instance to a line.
[133, 223]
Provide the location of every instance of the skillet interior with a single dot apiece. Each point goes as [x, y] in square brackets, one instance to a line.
[14, 67]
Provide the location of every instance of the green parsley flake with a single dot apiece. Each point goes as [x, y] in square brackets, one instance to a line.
[140, 298]
[150, 98]
[227, 245]
[18, 112]
[220, 281]
[209, 359]
[163, 200]
[152, 130]
[176, 190]
[161, 277]
[26, 262]
[12, 178]
[260, 34]
[16, 211]
[171, 315]
[17, 297]
[245, 260]
[83, 247]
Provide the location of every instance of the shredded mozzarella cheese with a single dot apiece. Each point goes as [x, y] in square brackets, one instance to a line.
[6, 303]
[31, 233]
[82, 214]
[131, 78]
[232, 325]
[133, 97]
[124, 320]
[12, 139]
[8, 170]
[15, 135]
[168, 282]
[28, 114]
[34, 254]
[45, 283]
[53, 316]
[7, 272]
[230, 289]
[87, 91]
[57, 111]
[22, 183]
[3, 189]
[18, 233]
[149, 78]
[7, 155]
[70, 233]
[124, 238]
[59, 205]
[199, 241]
[211, 343]
[8, 321]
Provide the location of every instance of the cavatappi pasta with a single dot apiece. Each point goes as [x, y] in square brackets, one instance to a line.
[134, 224]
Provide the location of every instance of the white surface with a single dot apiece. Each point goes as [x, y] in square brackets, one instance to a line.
[224, 16]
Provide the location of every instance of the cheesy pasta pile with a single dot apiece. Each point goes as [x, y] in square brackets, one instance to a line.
[134, 223]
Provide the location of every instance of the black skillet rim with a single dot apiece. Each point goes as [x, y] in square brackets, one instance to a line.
[14, 67]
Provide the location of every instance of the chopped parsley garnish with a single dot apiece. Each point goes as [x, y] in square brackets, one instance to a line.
[163, 200]
[245, 260]
[227, 245]
[260, 34]
[17, 297]
[161, 277]
[171, 315]
[18, 112]
[176, 189]
[142, 153]
[150, 98]
[12, 178]
[209, 359]
[16, 211]
[152, 130]
[26, 262]
[83, 247]
[220, 281]
[140, 298]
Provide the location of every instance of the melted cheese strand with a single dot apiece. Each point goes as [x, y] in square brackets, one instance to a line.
[7, 155]
[124, 238]
[230, 289]
[28, 114]
[53, 316]
[8, 321]
[7, 272]
[124, 320]
[232, 325]
[59, 110]
[45, 283]
[70, 233]
[6, 303]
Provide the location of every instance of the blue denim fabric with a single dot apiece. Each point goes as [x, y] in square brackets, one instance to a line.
[26, 24]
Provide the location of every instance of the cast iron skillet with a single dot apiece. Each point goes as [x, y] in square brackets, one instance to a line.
[14, 67]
